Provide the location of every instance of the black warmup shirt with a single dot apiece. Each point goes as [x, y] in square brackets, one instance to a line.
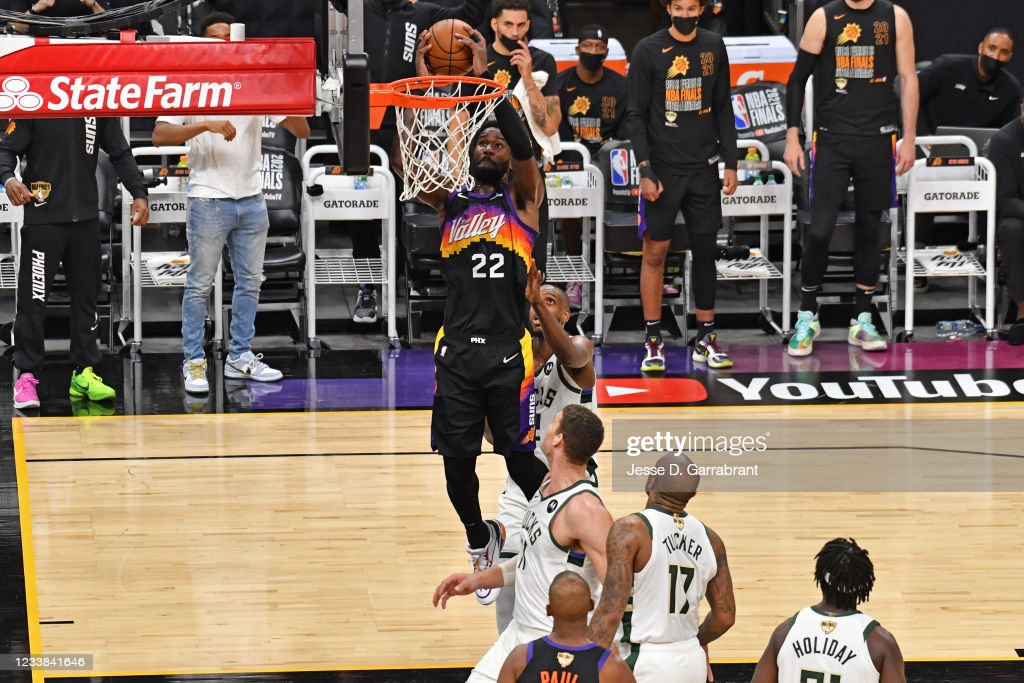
[855, 78]
[680, 112]
[592, 113]
[952, 94]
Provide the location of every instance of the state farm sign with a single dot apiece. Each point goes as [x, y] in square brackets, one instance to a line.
[106, 78]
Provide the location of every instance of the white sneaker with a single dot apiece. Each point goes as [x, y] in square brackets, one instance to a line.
[250, 366]
[484, 558]
[195, 376]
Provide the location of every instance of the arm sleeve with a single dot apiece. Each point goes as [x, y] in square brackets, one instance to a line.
[12, 146]
[721, 103]
[511, 126]
[805, 62]
[121, 157]
[638, 97]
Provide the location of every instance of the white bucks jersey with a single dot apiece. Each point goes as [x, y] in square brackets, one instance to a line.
[542, 559]
[555, 390]
[827, 648]
[668, 590]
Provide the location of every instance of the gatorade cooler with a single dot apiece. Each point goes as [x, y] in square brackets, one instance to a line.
[564, 52]
[759, 58]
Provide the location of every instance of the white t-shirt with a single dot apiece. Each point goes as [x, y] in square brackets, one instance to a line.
[219, 169]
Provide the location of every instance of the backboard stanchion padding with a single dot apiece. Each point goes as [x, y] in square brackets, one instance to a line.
[355, 142]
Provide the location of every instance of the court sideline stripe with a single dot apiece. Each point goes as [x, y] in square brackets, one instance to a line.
[35, 639]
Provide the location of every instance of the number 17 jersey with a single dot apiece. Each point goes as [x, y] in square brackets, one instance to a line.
[667, 592]
[485, 256]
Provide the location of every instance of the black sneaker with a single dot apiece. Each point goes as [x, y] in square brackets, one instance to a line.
[1015, 335]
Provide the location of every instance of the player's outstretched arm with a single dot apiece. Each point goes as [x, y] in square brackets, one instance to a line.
[622, 545]
[719, 595]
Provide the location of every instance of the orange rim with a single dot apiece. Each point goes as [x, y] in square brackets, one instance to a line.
[397, 93]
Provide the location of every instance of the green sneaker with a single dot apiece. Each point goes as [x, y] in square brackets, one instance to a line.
[90, 385]
[807, 328]
[864, 334]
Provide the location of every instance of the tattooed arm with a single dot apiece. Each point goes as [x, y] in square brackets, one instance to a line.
[627, 540]
[722, 615]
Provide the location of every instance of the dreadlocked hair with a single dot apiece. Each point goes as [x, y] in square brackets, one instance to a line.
[844, 573]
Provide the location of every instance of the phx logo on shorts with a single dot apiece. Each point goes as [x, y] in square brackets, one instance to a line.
[14, 92]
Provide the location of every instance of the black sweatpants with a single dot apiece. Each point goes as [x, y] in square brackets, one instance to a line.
[43, 248]
[1010, 238]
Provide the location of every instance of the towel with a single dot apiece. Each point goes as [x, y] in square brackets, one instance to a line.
[549, 146]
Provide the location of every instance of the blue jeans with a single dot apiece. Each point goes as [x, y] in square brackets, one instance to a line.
[242, 224]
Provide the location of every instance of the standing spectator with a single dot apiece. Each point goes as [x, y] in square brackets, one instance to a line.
[856, 48]
[593, 105]
[62, 225]
[681, 126]
[225, 206]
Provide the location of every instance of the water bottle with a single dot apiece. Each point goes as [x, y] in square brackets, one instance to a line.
[758, 180]
[952, 330]
[360, 182]
[183, 180]
[771, 179]
[566, 182]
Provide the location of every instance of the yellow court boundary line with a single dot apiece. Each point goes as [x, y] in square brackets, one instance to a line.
[35, 638]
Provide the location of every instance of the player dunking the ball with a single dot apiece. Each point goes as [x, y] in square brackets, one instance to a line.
[483, 356]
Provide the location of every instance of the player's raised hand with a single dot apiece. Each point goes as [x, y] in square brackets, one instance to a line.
[479, 47]
[534, 279]
[456, 584]
[421, 55]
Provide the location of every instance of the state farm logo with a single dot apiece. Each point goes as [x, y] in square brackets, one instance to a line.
[102, 94]
[15, 93]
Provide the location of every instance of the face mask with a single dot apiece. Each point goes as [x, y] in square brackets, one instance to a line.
[989, 66]
[591, 61]
[685, 25]
[509, 44]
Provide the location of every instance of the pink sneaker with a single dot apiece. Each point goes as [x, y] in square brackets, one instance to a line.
[25, 395]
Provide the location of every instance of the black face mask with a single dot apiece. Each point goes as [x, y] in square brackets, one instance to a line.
[989, 66]
[591, 61]
[508, 43]
[685, 25]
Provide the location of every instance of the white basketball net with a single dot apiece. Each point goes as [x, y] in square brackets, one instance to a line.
[434, 142]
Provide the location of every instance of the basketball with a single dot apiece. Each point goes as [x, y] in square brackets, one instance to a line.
[447, 56]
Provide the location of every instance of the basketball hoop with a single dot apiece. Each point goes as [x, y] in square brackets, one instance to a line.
[437, 117]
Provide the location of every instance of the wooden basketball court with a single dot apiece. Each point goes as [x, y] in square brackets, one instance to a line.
[313, 541]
